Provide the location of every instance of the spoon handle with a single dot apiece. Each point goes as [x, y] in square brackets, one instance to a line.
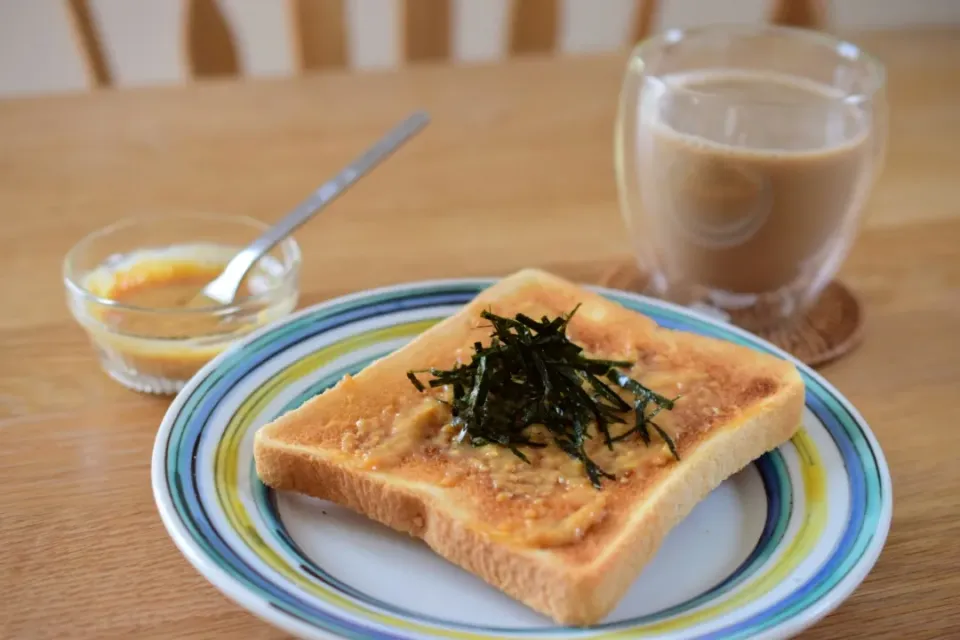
[327, 193]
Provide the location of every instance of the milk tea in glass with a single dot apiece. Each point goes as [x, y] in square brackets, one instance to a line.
[744, 157]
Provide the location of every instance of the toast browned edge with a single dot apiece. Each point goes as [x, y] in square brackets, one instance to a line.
[575, 595]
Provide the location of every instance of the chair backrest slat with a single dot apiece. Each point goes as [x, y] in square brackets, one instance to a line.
[799, 13]
[91, 50]
[646, 17]
[426, 30]
[320, 33]
[533, 28]
[210, 49]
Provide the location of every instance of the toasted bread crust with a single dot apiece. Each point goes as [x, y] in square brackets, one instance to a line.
[580, 583]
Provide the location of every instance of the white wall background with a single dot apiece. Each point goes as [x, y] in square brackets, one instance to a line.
[142, 38]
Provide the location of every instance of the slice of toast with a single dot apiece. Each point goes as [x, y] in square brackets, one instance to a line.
[537, 530]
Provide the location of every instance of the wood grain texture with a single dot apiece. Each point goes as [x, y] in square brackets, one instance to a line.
[91, 49]
[84, 553]
[210, 48]
[426, 30]
[320, 34]
[533, 26]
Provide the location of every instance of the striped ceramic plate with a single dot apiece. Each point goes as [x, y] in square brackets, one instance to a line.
[769, 552]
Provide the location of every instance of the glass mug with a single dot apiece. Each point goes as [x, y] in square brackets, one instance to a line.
[744, 157]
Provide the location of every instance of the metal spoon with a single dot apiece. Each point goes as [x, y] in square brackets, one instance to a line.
[223, 289]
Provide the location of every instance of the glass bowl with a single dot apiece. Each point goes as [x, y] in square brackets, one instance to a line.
[157, 348]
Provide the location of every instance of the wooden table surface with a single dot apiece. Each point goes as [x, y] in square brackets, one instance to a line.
[82, 549]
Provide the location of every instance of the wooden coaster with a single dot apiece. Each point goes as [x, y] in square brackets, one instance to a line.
[831, 328]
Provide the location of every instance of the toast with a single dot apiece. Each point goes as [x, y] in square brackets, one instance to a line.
[539, 530]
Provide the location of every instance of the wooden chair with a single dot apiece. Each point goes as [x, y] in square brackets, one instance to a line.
[321, 41]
